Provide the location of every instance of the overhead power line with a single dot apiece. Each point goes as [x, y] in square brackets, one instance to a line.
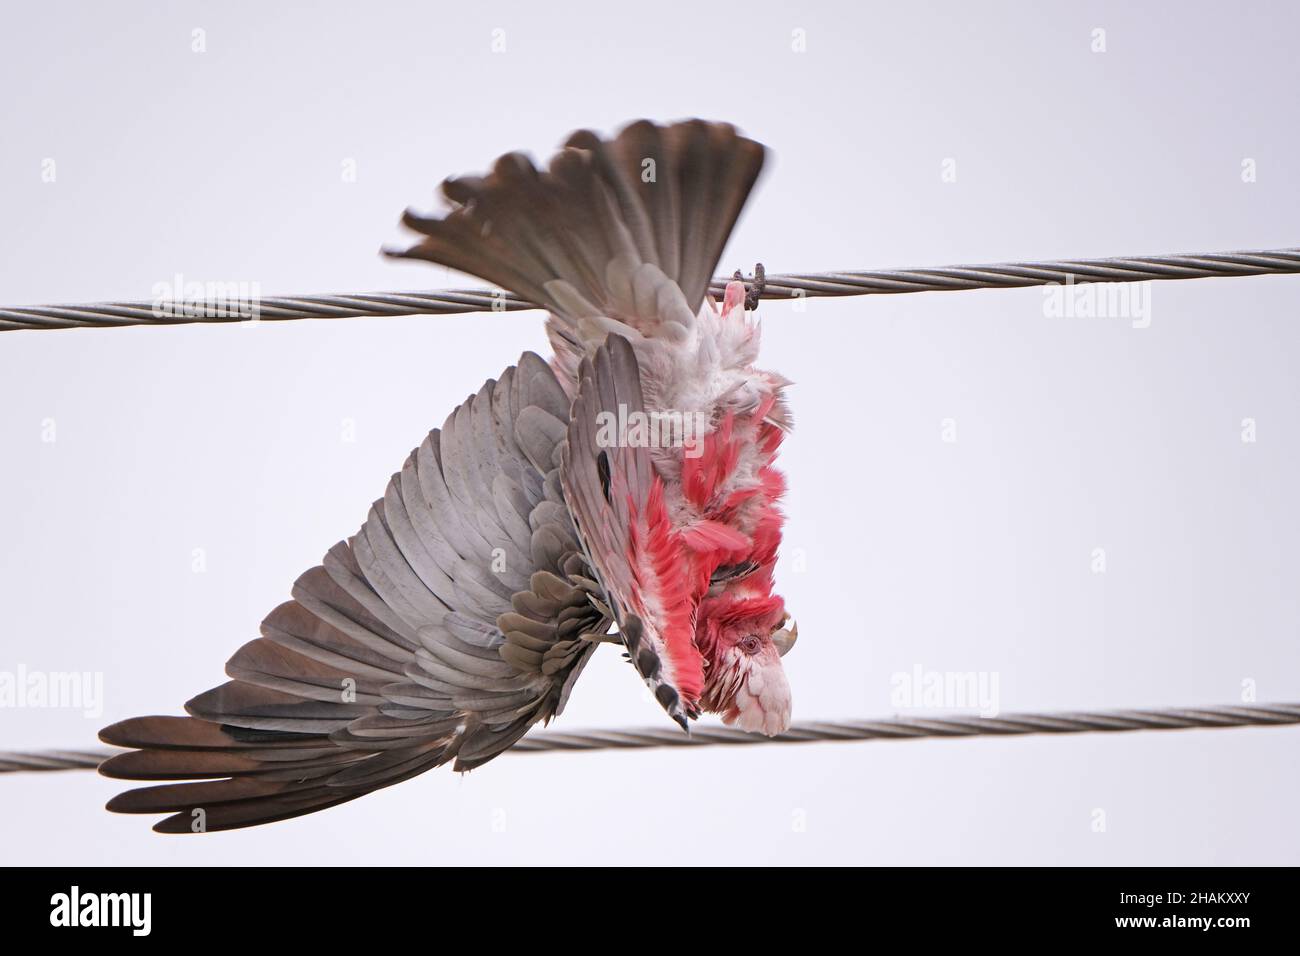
[1007, 275]
[888, 728]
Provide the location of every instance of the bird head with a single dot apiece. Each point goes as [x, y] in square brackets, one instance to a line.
[743, 641]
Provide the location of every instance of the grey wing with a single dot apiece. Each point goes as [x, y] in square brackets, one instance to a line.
[458, 616]
[616, 499]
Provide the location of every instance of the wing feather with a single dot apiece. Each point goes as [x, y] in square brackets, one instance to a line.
[407, 647]
[615, 497]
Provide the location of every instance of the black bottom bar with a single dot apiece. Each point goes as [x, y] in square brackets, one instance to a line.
[334, 906]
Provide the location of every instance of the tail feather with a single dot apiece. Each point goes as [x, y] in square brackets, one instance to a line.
[629, 229]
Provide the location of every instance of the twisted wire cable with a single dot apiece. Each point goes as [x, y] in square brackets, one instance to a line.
[888, 728]
[14, 761]
[1007, 275]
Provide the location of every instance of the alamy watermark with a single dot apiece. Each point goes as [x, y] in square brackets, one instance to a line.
[638, 429]
[1098, 300]
[920, 689]
[232, 300]
[53, 690]
[133, 911]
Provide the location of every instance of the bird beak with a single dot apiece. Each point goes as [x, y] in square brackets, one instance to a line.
[784, 639]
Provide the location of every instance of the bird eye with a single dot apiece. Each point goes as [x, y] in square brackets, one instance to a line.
[751, 644]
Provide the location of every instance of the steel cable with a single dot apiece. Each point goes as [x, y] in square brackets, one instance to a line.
[888, 728]
[1007, 275]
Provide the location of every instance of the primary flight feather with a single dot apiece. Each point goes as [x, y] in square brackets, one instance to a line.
[629, 482]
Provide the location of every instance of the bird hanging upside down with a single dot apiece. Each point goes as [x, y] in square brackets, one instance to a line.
[547, 510]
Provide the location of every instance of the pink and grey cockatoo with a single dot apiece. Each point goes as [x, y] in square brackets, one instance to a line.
[628, 482]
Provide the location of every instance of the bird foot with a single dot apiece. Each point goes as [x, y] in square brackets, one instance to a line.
[754, 285]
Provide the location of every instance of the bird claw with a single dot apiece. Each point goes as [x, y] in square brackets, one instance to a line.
[754, 285]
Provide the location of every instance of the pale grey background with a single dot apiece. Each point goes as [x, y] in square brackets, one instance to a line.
[1073, 434]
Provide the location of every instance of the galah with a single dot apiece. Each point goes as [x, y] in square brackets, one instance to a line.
[627, 483]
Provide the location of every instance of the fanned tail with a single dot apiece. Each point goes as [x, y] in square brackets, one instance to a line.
[616, 235]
